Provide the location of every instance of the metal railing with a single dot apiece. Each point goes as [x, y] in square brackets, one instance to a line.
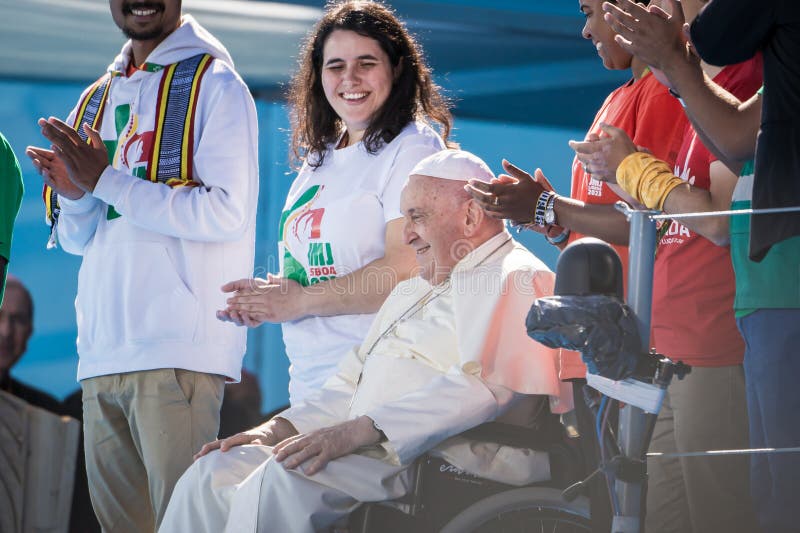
[636, 425]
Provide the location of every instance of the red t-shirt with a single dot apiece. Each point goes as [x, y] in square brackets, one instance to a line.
[693, 281]
[652, 118]
[131, 70]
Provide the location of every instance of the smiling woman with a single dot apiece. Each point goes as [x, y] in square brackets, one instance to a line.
[362, 100]
[357, 79]
[413, 95]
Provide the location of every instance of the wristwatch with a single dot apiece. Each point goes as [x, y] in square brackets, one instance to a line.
[549, 209]
[541, 205]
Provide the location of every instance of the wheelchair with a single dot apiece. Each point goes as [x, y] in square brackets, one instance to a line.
[446, 499]
[450, 501]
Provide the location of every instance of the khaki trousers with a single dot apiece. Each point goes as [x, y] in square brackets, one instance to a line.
[707, 410]
[141, 430]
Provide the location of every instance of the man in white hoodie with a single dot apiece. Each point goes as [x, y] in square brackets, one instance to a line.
[153, 179]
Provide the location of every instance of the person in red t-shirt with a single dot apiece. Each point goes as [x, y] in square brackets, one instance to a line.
[642, 107]
[693, 321]
[646, 111]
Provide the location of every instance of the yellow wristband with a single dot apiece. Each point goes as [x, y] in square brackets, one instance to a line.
[647, 179]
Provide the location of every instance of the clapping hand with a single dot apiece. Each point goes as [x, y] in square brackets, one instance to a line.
[656, 37]
[53, 172]
[255, 301]
[510, 196]
[601, 156]
[83, 162]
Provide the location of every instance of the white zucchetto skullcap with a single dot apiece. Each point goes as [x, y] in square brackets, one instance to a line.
[454, 165]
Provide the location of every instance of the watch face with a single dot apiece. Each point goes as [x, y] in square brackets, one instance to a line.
[550, 216]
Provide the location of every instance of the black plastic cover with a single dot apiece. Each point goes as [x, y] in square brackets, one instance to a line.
[602, 328]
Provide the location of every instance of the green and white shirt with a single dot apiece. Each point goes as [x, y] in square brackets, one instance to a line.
[334, 223]
[773, 283]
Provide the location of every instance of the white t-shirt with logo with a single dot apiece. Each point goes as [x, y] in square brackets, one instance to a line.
[334, 223]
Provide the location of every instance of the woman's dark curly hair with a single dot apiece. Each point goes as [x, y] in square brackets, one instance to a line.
[315, 124]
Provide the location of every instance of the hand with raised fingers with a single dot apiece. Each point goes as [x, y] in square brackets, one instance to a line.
[317, 448]
[84, 162]
[251, 436]
[53, 172]
[257, 300]
[601, 157]
[510, 196]
[650, 33]
[553, 230]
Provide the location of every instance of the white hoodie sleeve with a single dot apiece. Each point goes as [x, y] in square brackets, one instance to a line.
[78, 222]
[78, 219]
[225, 162]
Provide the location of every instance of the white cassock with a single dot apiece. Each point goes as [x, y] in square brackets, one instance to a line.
[459, 358]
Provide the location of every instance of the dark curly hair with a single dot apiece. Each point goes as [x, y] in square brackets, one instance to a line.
[414, 95]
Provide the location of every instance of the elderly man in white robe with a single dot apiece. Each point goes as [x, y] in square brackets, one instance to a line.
[447, 351]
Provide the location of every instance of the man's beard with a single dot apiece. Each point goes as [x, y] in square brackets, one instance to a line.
[143, 35]
[158, 31]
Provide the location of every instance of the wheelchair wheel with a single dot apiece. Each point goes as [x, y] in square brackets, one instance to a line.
[527, 509]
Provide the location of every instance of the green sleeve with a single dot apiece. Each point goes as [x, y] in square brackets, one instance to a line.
[11, 190]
